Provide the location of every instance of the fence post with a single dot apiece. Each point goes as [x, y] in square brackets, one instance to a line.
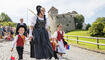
[97, 43]
[67, 37]
[77, 40]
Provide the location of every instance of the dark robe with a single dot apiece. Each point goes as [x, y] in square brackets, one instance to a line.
[40, 45]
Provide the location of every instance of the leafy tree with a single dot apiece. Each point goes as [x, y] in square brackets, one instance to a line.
[98, 27]
[8, 23]
[79, 20]
[4, 18]
[87, 26]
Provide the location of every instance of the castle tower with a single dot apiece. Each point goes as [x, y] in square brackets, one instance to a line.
[51, 17]
[53, 11]
[66, 19]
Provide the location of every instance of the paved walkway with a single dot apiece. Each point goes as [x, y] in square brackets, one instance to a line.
[74, 53]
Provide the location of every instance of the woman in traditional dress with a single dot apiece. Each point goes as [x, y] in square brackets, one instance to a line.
[40, 45]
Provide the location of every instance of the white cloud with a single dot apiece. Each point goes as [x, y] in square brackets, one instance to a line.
[18, 8]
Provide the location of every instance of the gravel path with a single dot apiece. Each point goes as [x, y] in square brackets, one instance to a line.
[74, 53]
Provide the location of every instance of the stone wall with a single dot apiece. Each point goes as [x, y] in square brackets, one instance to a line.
[66, 20]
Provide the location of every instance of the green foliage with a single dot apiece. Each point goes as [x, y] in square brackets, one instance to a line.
[98, 27]
[4, 18]
[79, 20]
[87, 26]
[8, 24]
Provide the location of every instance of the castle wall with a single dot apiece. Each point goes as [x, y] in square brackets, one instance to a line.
[67, 20]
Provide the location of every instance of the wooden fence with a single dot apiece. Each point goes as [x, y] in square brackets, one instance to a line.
[77, 40]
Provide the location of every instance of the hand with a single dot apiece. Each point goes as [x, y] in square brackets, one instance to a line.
[57, 44]
[11, 49]
[30, 38]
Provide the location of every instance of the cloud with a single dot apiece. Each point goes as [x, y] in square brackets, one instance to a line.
[18, 8]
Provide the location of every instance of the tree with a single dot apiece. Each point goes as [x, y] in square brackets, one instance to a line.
[87, 26]
[98, 27]
[4, 18]
[79, 20]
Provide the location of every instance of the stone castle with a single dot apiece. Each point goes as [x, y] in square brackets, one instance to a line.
[66, 19]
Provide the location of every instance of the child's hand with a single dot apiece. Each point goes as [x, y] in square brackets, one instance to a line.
[30, 38]
[11, 49]
[57, 44]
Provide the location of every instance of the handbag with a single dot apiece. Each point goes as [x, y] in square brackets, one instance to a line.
[12, 57]
[67, 47]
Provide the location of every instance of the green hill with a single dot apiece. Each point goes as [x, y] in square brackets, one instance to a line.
[84, 45]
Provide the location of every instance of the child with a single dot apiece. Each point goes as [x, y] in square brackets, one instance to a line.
[58, 35]
[9, 36]
[54, 44]
[19, 41]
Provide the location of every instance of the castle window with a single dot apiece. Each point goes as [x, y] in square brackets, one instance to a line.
[63, 16]
[57, 17]
[67, 24]
[69, 21]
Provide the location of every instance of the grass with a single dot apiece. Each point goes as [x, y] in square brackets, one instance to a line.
[85, 45]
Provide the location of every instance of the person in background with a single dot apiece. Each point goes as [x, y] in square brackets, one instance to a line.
[1, 30]
[12, 32]
[8, 29]
[4, 30]
[8, 36]
[23, 24]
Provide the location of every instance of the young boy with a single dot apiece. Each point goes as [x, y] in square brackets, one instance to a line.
[19, 41]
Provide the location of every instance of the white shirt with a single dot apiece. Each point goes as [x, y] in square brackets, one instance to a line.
[21, 23]
[33, 22]
[15, 40]
[56, 34]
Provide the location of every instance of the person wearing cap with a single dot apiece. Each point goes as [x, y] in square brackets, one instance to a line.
[40, 44]
[19, 41]
[23, 24]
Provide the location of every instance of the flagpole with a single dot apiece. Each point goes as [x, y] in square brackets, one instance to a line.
[27, 16]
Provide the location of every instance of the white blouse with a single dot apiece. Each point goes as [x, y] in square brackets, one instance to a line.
[33, 22]
[56, 34]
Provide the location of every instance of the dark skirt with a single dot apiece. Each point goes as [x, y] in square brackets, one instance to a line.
[40, 45]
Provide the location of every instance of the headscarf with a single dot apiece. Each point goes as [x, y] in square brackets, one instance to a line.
[38, 9]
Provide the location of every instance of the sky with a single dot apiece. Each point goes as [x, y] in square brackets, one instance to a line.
[16, 9]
